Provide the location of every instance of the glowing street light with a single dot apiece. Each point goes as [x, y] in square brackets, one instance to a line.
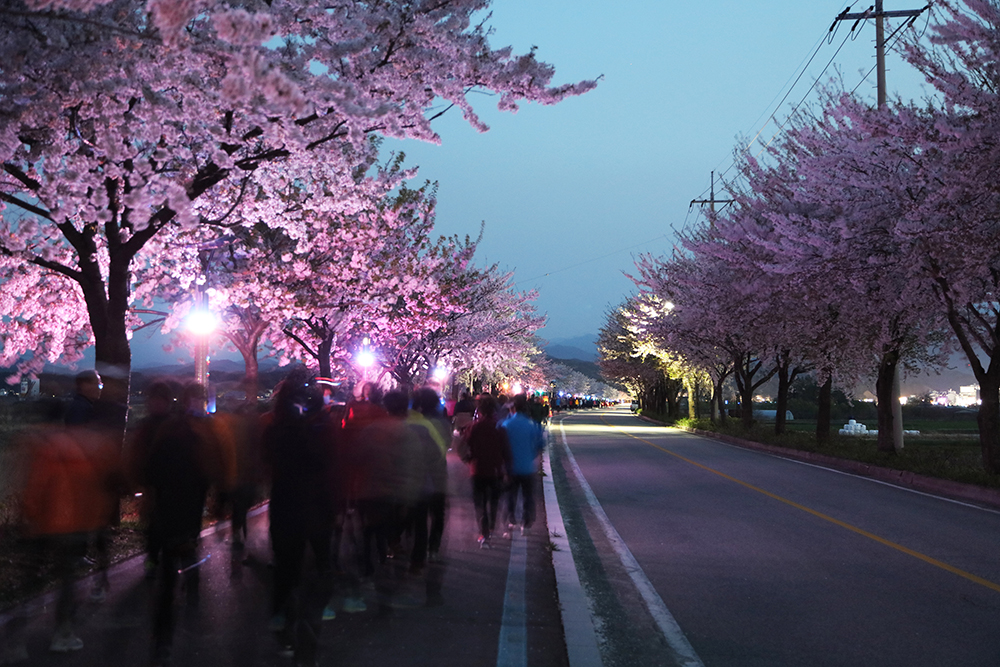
[365, 359]
[201, 323]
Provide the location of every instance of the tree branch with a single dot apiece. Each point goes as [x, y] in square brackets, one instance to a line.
[291, 334]
[31, 208]
[17, 173]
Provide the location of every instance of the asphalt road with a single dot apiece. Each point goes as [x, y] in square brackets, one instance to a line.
[766, 561]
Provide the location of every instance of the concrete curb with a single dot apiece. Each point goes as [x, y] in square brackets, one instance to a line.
[575, 605]
[902, 478]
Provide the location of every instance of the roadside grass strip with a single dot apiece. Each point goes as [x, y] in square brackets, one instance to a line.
[825, 517]
[683, 653]
[576, 607]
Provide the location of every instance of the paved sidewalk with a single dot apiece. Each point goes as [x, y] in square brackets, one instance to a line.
[482, 621]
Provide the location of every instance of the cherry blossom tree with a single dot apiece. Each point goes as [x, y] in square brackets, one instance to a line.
[954, 204]
[125, 121]
[629, 358]
[682, 353]
[715, 307]
[817, 224]
[487, 329]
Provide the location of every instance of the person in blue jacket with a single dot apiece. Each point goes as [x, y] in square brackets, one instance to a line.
[526, 443]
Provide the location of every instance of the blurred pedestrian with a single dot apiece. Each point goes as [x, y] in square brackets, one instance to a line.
[88, 410]
[393, 457]
[65, 499]
[161, 402]
[239, 432]
[489, 459]
[298, 452]
[465, 412]
[184, 460]
[434, 431]
[526, 444]
[355, 473]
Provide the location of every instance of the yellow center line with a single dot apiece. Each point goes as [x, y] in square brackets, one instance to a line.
[881, 540]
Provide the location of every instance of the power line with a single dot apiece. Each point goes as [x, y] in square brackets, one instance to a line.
[808, 92]
[799, 72]
[588, 261]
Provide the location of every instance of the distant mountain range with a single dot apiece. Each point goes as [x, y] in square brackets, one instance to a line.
[583, 348]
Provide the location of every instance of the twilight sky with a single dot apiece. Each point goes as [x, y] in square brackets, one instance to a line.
[570, 193]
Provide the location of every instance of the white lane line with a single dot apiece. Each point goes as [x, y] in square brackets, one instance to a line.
[513, 649]
[575, 605]
[683, 651]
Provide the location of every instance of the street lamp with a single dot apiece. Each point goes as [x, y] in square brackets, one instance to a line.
[365, 359]
[201, 324]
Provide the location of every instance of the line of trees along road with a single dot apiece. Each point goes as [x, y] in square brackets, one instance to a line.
[860, 240]
[152, 148]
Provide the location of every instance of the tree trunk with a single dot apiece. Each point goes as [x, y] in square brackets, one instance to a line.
[825, 403]
[885, 396]
[697, 398]
[691, 387]
[713, 411]
[746, 405]
[988, 419]
[251, 377]
[988, 377]
[324, 353]
[660, 397]
[781, 405]
[745, 368]
[112, 354]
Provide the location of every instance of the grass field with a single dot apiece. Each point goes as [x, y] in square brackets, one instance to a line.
[947, 449]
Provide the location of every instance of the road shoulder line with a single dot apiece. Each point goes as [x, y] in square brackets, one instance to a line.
[684, 653]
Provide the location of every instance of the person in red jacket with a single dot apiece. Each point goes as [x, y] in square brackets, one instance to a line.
[489, 459]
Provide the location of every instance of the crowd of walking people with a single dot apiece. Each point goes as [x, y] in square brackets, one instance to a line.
[357, 494]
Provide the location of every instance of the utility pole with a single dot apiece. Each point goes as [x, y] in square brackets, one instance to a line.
[693, 388]
[880, 15]
[712, 201]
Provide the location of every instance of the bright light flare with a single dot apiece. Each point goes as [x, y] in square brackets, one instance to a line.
[440, 374]
[365, 358]
[517, 388]
[201, 322]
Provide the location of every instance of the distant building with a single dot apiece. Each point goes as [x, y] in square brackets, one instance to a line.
[966, 396]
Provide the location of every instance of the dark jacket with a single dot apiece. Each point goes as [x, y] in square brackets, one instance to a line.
[299, 453]
[489, 449]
